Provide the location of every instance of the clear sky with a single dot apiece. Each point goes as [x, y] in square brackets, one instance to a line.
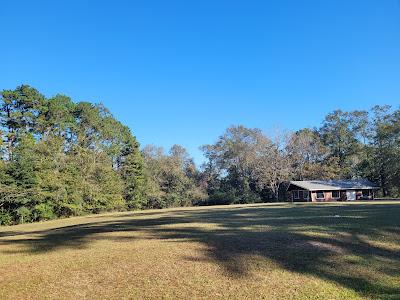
[183, 71]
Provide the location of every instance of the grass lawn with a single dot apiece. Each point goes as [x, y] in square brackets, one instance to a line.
[270, 251]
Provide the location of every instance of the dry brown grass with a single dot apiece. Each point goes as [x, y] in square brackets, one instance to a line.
[278, 251]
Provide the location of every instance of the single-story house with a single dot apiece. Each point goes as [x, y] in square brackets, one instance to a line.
[331, 190]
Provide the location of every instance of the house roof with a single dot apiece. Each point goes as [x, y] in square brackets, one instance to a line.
[322, 185]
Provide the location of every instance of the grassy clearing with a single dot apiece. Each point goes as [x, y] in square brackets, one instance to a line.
[266, 251]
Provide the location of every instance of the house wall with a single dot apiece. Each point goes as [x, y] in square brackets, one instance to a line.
[343, 197]
[300, 199]
[328, 197]
[313, 197]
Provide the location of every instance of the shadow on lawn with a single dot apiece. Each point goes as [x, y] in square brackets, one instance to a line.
[280, 234]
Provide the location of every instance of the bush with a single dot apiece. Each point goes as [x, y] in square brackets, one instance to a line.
[43, 211]
[24, 214]
[218, 198]
[5, 218]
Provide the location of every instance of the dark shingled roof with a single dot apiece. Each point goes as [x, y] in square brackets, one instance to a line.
[323, 185]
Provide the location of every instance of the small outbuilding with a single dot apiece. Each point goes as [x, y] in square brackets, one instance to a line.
[331, 190]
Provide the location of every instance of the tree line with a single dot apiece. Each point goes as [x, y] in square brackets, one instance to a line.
[62, 158]
[246, 165]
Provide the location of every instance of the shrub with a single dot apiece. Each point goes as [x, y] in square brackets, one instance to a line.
[24, 214]
[43, 211]
[5, 218]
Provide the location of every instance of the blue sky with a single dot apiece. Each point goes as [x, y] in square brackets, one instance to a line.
[183, 71]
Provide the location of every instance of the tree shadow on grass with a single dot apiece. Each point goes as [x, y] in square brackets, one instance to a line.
[332, 242]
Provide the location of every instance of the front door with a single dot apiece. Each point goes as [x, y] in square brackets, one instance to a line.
[351, 195]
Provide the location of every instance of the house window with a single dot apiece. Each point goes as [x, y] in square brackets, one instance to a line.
[295, 194]
[366, 193]
[305, 194]
[320, 195]
[336, 194]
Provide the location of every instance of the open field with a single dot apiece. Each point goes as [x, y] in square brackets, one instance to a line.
[271, 251]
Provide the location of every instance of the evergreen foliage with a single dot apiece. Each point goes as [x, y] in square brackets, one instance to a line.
[61, 158]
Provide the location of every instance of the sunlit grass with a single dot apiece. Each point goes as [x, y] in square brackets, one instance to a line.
[270, 251]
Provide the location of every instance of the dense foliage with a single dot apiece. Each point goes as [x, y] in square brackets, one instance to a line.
[172, 179]
[62, 158]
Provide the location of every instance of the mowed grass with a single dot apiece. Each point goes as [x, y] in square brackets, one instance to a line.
[270, 251]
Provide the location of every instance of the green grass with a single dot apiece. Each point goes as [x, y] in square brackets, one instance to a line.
[270, 251]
